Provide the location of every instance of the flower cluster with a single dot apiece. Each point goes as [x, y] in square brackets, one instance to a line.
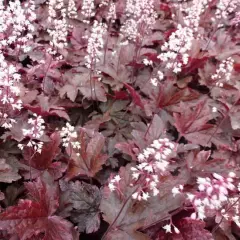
[104, 3]
[213, 193]
[236, 19]
[95, 44]
[168, 228]
[72, 9]
[193, 13]
[175, 51]
[225, 7]
[35, 132]
[141, 16]
[160, 150]
[59, 33]
[69, 135]
[88, 10]
[36, 145]
[177, 190]
[114, 183]
[147, 62]
[231, 211]
[9, 90]
[149, 185]
[6, 121]
[153, 161]
[112, 12]
[16, 29]
[15, 20]
[59, 29]
[156, 80]
[37, 127]
[224, 71]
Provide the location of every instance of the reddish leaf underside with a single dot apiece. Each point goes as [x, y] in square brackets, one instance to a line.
[194, 64]
[192, 123]
[170, 95]
[135, 96]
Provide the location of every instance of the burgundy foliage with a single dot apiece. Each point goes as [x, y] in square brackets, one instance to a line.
[89, 101]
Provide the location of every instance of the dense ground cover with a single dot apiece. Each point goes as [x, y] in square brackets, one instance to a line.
[120, 119]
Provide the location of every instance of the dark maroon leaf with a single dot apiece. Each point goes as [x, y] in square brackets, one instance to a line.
[194, 64]
[82, 201]
[170, 95]
[48, 107]
[237, 67]
[40, 162]
[145, 135]
[165, 7]
[121, 95]
[90, 158]
[193, 120]
[135, 96]
[127, 148]
[9, 170]
[29, 218]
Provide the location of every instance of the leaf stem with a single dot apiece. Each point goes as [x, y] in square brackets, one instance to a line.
[217, 226]
[119, 213]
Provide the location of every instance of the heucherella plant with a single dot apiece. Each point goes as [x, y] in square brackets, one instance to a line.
[119, 119]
